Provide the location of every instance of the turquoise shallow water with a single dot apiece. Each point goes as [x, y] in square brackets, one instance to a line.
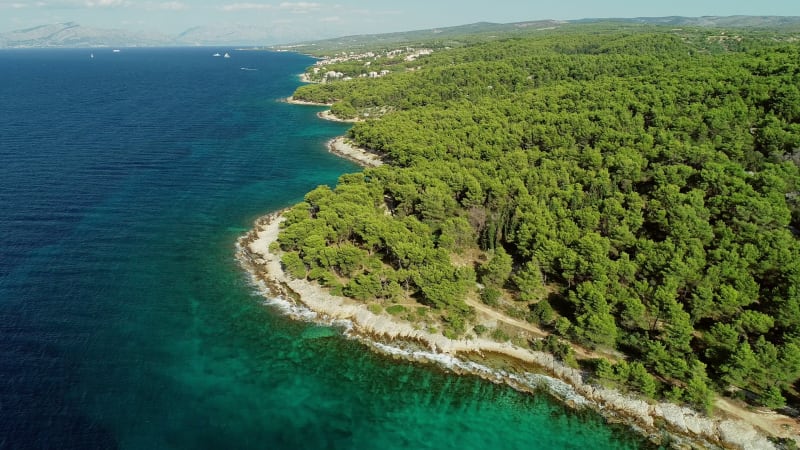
[125, 320]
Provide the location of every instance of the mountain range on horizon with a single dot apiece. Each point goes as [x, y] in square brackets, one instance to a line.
[74, 35]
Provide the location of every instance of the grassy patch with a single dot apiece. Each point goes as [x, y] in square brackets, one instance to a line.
[396, 309]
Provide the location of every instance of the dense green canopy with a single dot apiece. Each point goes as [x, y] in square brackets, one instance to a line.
[648, 184]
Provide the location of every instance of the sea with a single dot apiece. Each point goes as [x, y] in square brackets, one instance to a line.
[126, 321]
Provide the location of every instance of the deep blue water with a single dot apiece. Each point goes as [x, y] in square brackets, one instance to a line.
[125, 321]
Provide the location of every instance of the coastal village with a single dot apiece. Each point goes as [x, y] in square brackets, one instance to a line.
[369, 59]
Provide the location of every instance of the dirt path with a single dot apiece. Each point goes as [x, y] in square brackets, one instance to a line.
[771, 422]
[500, 317]
[494, 314]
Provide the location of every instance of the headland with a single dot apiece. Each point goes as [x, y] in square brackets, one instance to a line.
[391, 335]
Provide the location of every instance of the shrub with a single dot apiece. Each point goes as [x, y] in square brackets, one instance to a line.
[490, 296]
[542, 313]
[450, 333]
[772, 398]
[294, 265]
[395, 309]
[455, 323]
[563, 326]
[496, 271]
[500, 335]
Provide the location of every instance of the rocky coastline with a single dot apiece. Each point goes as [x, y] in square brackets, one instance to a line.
[386, 334]
[681, 426]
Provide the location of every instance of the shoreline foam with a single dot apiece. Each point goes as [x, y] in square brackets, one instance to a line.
[308, 301]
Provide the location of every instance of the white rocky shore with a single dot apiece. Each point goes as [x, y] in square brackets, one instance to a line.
[326, 114]
[346, 148]
[653, 418]
[295, 101]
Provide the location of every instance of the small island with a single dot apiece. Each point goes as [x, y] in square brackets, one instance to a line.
[618, 210]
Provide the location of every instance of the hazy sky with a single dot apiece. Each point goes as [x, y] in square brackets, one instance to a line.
[342, 17]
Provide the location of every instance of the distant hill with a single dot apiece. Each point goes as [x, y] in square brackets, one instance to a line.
[447, 36]
[709, 21]
[71, 34]
[464, 34]
[250, 35]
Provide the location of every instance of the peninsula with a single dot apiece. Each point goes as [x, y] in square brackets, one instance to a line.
[380, 327]
[618, 209]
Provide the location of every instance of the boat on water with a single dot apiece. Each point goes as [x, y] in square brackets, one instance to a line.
[116, 50]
